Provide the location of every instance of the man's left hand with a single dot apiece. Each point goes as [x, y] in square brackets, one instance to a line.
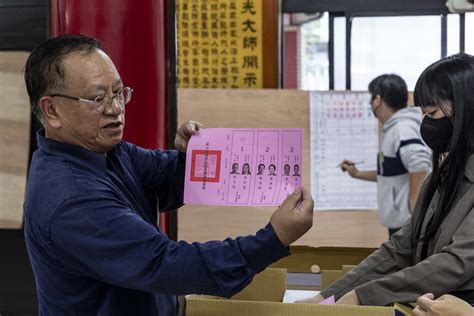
[185, 131]
[350, 298]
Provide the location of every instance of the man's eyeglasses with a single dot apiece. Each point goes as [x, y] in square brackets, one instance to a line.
[123, 96]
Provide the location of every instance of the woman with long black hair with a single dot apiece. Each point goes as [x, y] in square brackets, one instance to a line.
[434, 251]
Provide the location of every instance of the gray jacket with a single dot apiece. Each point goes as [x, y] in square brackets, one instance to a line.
[396, 273]
[401, 151]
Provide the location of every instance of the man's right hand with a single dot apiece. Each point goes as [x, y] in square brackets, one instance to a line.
[347, 165]
[294, 217]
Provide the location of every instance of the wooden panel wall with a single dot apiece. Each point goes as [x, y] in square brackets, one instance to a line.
[265, 108]
[14, 138]
[271, 40]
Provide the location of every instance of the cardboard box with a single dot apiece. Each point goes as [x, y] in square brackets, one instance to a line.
[303, 258]
[263, 298]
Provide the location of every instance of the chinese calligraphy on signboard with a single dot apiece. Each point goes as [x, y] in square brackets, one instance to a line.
[219, 43]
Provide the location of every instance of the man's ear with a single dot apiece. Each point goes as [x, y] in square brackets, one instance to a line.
[50, 114]
[377, 100]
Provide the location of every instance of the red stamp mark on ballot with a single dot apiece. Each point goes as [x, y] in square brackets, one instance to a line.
[206, 165]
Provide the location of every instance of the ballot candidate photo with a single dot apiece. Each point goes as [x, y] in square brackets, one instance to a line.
[272, 170]
[286, 170]
[235, 168]
[246, 168]
[296, 170]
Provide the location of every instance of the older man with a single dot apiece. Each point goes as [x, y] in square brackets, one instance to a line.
[91, 208]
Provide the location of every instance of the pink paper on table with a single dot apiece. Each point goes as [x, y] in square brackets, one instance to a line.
[329, 301]
[243, 166]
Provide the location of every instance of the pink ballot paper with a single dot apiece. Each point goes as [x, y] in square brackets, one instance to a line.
[329, 301]
[243, 166]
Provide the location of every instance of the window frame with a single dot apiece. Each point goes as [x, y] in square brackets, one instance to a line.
[373, 8]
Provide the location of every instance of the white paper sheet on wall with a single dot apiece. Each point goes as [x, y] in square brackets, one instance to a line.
[342, 127]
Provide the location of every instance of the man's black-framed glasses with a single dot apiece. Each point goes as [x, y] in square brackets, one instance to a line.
[123, 96]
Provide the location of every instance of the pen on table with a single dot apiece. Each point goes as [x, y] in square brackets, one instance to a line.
[350, 164]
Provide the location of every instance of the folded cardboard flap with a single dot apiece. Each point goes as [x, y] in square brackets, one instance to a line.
[329, 258]
[263, 297]
[404, 310]
[268, 286]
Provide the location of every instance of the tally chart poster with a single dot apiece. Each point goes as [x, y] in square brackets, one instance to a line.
[342, 127]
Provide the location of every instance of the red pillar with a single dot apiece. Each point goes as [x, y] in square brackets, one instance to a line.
[133, 33]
